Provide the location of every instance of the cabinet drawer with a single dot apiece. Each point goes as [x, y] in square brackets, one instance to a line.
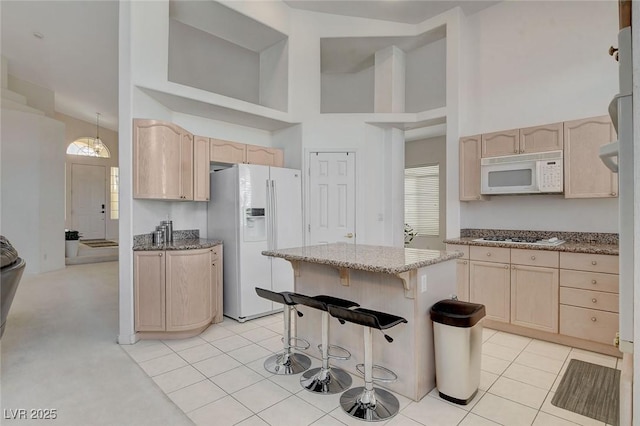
[549, 259]
[589, 280]
[459, 247]
[589, 299]
[589, 262]
[589, 324]
[490, 254]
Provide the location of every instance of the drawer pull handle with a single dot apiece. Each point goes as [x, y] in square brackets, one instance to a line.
[465, 262]
[159, 254]
[513, 267]
[594, 319]
[533, 258]
[507, 267]
[593, 282]
[488, 254]
[593, 262]
[594, 300]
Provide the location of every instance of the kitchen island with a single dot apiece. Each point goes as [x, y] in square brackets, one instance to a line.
[399, 281]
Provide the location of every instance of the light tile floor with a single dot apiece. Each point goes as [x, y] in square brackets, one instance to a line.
[218, 379]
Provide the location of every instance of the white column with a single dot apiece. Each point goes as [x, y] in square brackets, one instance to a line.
[389, 80]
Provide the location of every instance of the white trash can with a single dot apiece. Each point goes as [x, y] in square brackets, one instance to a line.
[457, 337]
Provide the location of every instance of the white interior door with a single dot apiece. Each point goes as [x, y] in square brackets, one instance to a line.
[88, 200]
[332, 200]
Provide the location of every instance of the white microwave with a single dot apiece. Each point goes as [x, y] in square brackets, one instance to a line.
[536, 173]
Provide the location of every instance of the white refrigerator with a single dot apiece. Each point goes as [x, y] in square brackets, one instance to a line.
[255, 208]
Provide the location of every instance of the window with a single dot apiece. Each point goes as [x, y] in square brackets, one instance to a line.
[422, 199]
[114, 186]
[88, 147]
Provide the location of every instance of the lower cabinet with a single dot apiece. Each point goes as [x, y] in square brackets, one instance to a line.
[462, 279]
[489, 284]
[177, 290]
[534, 297]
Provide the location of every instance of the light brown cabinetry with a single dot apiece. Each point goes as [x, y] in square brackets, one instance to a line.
[549, 137]
[162, 161]
[489, 284]
[589, 296]
[201, 182]
[227, 152]
[462, 271]
[177, 290]
[470, 153]
[585, 176]
[497, 144]
[534, 297]
[233, 153]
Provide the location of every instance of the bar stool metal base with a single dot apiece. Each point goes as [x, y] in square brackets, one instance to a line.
[326, 381]
[371, 406]
[283, 364]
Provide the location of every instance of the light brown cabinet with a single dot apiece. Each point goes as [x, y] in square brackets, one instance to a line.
[549, 137]
[470, 153]
[234, 153]
[227, 152]
[162, 161]
[177, 290]
[462, 271]
[490, 285]
[201, 182]
[534, 297]
[585, 176]
[497, 144]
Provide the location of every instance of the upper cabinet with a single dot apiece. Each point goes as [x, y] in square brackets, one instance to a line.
[585, 176]
[162, 161]
[501, 143]
[541, 138]
[201, 182]
[233, 152]
[470, 168]
[523, 141]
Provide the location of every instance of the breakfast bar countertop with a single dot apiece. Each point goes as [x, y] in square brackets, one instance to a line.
[570, 247]
[390, 260]
[182, 244]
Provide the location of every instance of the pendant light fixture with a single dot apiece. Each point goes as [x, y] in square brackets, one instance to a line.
[98, 146]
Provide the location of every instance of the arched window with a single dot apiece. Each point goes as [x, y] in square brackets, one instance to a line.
[89, 147]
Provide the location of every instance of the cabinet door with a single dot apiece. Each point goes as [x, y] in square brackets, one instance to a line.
[502, 143]
[534, 297]
[227, 152]
[489, 284]
[149, 290]
[470, 168]
[201, 180]
[265, 156]
[462, 279]
[189, 291]
[186, 165]
[585, 176]
[541, 138]
[157, 160]
[216, 284]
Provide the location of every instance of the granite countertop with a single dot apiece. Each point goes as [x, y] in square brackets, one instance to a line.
[571, 247]
[183, 244]
[389, 260]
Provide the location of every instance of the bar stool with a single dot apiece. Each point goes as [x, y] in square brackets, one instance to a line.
[366, 402]
[287, 362]
[325, 379]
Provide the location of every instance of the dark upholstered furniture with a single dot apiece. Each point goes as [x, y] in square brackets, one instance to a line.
[11, 271]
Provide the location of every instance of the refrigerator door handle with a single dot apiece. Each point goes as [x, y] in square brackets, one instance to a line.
[274, 216]
[268, 217]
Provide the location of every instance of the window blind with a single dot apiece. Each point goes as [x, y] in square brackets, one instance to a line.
[422, 199]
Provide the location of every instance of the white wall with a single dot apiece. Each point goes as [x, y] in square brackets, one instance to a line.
[426, 79]
[38, 97]
[348, 92]
[33, 188]
[531, 63]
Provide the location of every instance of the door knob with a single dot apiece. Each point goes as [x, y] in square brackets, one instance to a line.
[349, 235]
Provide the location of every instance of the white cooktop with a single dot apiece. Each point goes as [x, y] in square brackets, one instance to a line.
[513, 240]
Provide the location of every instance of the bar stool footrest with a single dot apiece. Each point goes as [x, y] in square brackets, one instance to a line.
[391, 376]
[344, 357]
[301, 347]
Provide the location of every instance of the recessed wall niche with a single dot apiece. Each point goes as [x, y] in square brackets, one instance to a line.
[214, 48]
[348, 71]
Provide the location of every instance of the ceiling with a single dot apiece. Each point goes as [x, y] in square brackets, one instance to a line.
[78, 56]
